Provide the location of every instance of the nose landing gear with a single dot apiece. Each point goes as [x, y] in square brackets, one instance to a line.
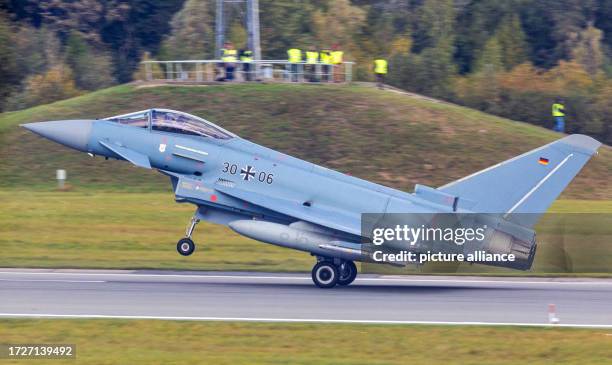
[185, 246]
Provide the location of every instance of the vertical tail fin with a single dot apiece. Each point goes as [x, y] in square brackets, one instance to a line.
[528, 183]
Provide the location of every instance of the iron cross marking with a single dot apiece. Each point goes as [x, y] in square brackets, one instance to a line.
[248, 173]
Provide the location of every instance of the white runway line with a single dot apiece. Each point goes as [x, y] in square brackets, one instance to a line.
[295, 320]
[307, 278]
[54, 281]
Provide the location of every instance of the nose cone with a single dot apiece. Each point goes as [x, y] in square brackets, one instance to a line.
[71, 133]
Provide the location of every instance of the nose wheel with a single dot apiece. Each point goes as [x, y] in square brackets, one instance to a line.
[185, 246]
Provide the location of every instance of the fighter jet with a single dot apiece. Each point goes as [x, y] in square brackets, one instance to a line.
[278, 199]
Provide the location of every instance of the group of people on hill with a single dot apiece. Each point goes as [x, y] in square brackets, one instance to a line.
[323, 65]
[230, 56]
[311, 65]
[327, 60]
[326, 65]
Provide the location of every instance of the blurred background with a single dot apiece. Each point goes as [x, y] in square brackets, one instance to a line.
[510, 58]
[467, 84]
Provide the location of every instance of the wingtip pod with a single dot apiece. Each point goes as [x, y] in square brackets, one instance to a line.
[581, 143]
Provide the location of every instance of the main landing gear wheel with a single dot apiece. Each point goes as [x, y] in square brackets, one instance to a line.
[185, 246]
[325, 275]
[348, 273]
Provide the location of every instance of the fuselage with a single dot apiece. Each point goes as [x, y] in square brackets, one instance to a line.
[255, 168]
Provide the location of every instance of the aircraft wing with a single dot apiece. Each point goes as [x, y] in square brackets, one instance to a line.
[320, 215]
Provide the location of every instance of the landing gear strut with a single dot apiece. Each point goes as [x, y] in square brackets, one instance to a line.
[329, 273]
[185, 246]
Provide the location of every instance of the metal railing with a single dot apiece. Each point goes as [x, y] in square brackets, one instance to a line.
[203, 71]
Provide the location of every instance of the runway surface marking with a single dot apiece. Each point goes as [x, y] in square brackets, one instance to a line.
[295, 320]
[573, 281]
[54, 281]
[292, 297]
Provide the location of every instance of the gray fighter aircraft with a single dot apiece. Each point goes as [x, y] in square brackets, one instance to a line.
[275, 198]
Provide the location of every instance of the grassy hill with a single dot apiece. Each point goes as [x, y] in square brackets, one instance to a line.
[387, 137]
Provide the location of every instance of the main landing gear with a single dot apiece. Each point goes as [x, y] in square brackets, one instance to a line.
[185, 246]
[329, 273]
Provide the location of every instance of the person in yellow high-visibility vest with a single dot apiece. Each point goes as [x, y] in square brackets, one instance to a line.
[558, 113]
[325, 55]
[336, 61]
[312, 59]
[294, 58]
[229, 58]
[380, 70]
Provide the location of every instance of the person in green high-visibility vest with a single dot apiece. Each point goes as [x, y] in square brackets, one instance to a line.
[558, 113]
[380, 70]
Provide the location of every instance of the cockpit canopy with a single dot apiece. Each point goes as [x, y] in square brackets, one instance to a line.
[172, 121]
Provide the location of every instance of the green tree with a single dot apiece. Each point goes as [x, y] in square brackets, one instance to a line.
[511, 38]
[91, 68]
[435, 64]
[286, 24]
[339, 24]
[439, 70]
[570, 17]
[437, 20]
[192, 34]
[55, 84]
[36, 47]
[85, 16]
[476, 22]
[8, 60]
[587, 49]
[490, 59]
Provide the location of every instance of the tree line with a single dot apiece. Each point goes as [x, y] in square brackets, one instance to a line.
[510, 58]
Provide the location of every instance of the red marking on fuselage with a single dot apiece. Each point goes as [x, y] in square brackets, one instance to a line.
[213, 198]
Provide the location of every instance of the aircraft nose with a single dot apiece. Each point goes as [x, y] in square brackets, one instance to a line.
[71, 133]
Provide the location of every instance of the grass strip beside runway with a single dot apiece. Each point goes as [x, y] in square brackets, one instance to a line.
[177, 342]
[140, 230]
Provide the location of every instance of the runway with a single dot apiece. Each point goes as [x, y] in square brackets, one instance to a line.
[273, 297]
